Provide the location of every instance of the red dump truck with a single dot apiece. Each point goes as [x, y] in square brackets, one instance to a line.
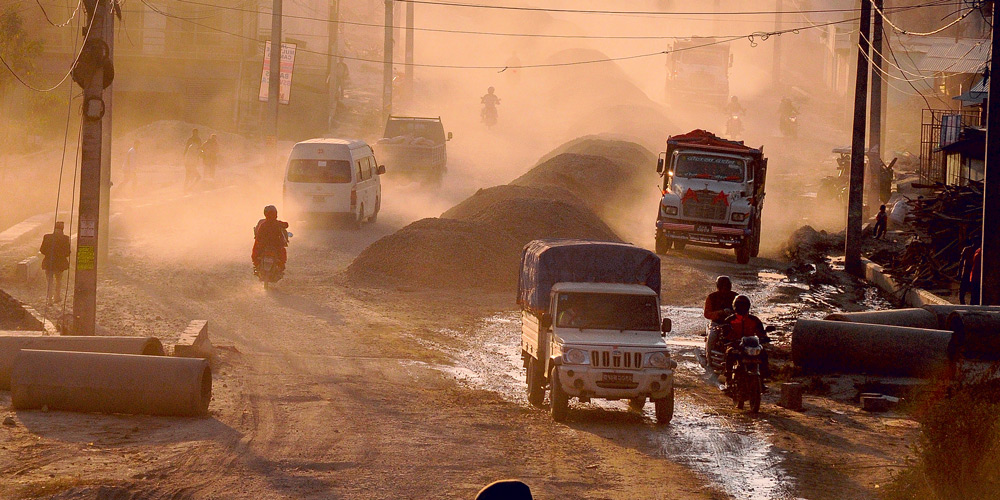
[713, 194]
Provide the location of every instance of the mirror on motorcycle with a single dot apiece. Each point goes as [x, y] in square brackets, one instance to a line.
[450, 135]
[381, 169]
[289, 234]
[665, 326]
[659, 166]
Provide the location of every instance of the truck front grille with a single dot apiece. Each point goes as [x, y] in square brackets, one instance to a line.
[704, 209]
[616, 359]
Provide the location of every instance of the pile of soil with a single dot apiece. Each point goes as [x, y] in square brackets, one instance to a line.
[483, 199]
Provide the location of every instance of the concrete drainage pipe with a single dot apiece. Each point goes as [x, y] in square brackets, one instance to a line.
[111, 383]
[11, 345]
[911, 318]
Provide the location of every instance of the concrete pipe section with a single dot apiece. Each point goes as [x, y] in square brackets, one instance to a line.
[911, 318]
[843, 347]
[942, 312]
[11, 345]
[977, 334]
[111, 383]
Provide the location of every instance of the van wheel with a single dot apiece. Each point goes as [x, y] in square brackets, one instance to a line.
[559, 399]
[378, 206]
[665, 408]
[360, 218]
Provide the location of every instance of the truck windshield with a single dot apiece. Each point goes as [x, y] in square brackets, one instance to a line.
[720, 168]
[607, 311]
[427, 129]
[319, 171]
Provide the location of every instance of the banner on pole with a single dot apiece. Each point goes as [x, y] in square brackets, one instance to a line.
[287, 64]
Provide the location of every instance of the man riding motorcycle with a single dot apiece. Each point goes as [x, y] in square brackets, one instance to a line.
[743, 324]
[270, 235]
[718, 307]
[490, 102]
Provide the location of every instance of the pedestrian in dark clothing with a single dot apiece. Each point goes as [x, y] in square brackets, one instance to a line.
[974, 276]
[881, 221]
[210, 155]
[965, 268]
[55, 249]
[192, 151]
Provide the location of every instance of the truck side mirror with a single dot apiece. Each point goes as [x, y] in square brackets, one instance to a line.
[381, 169]
[665, 326]
[659, 166]
[450, 136]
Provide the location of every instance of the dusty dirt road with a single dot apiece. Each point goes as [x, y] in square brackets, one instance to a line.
[324, 391]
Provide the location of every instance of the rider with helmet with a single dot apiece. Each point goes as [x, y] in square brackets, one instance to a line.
[743, 324]
[270, 234]
[490, 102]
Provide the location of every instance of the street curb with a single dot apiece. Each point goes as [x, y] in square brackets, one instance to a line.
[26, 228]
[911, 297]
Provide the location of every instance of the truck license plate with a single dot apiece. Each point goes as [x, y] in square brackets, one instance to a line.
[617, 378]
[703, 228]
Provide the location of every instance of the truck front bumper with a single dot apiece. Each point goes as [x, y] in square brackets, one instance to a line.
[702, 233]
[583, 381]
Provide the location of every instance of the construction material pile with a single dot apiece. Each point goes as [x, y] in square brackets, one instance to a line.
[940, 225]
[477, 243]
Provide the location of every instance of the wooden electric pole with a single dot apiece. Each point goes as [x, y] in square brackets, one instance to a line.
[333, 63]
[273, 90]
[387, 62]
[990, 264]
[875, 115]
[91, 72]
[103, 235]
[408, 58]
[855, 200]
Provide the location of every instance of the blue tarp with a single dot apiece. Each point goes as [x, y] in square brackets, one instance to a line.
[547, 262]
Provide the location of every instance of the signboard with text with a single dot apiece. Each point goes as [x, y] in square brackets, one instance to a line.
[287, 64]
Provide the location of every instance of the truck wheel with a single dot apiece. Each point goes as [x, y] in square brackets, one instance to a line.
[662, 245]
[559, 399]
[755, 239]
[636, 404]
[743, 253]
[679, 245]
[665, 408]
[535, 382]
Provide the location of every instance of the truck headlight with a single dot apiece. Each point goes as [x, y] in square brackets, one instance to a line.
[659, 360]
[669, 210]
[574, 357]
[738, 217]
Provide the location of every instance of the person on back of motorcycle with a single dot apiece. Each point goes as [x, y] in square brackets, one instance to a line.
[718, 307]
[270, 234]
[743, 324]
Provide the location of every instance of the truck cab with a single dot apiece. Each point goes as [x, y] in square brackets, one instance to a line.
[713, 194]
[596, 339]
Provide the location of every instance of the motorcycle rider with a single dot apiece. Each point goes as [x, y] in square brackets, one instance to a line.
[734, 107]
[718, 307]
[490, 102]
[270, 234]
[786, 111]
[743, 324]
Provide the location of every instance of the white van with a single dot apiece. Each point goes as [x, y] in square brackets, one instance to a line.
[333, 177]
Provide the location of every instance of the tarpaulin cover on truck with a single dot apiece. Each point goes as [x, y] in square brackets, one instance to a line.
[547, 262]
[704, 139]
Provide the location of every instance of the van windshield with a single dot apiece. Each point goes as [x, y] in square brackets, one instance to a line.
[720, 168]
[607, 311]
[319, 171]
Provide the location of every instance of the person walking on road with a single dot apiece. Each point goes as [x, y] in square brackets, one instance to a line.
[965, 268]
[55, 249]
[192, 153]
[129, 167]
[881, 221]
[210, 155]
[974, 276]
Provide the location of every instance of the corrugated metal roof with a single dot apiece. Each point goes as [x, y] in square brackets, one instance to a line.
[948, 55]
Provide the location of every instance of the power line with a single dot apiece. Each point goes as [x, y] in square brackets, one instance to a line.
[880, 13]
[64, 23]
[64, 78]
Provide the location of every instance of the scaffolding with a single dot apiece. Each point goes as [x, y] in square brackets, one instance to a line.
[932, 166]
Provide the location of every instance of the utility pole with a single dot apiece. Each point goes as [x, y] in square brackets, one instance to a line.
[875, 116]
[776, 58]
[103, 235]
[91, 74]
[408, 80]
[333, 62]
[273, 89]
[990, 264]
[387, 62]
[855, 200]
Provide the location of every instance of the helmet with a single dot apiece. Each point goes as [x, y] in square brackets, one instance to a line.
[723, 283]
[271, 212]
[490, 90]
[741, 304]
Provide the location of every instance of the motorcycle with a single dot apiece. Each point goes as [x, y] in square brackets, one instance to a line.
[489, 116]
[734, 126]
[746, 379]
[789, 125]
[268, 270]
[715, 355]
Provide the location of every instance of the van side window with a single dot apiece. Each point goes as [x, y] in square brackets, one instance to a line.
[371, 168]
[360, 176]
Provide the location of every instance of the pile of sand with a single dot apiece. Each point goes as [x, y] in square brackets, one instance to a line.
[477, 243]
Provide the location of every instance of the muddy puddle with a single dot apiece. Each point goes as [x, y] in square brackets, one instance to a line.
[733, 452]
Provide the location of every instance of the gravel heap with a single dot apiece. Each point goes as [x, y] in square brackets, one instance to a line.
[477, 243]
